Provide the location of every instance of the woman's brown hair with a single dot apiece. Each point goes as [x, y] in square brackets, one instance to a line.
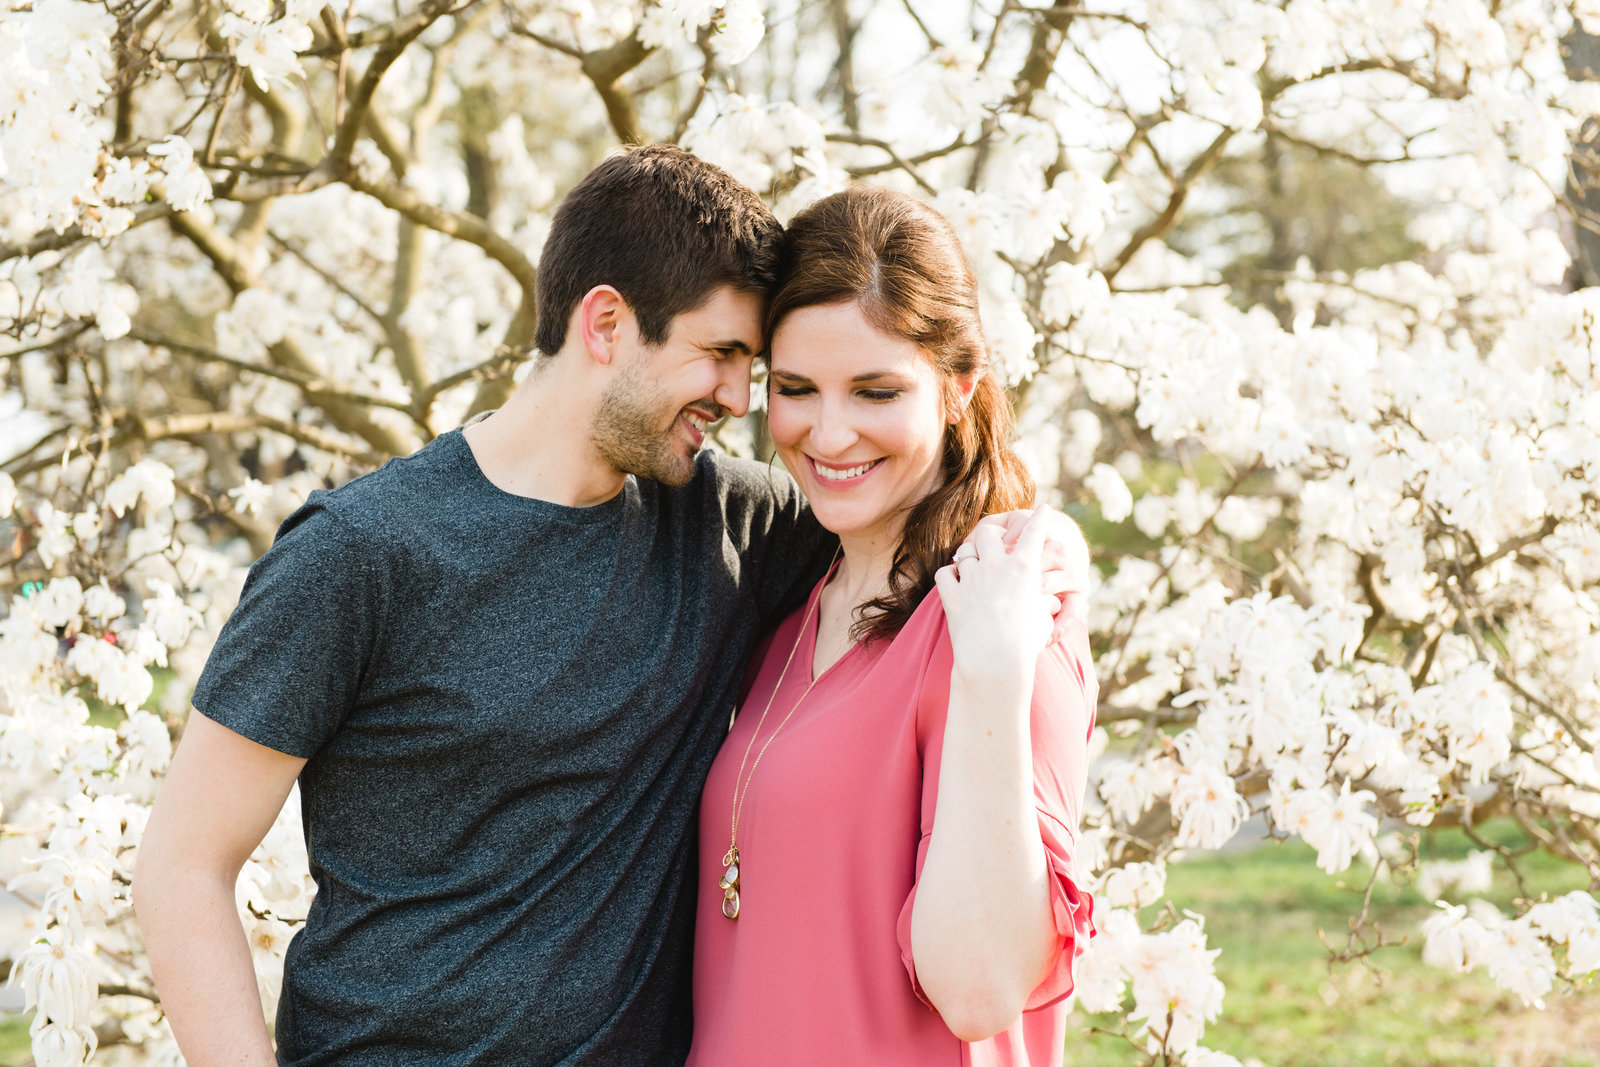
[901, 262]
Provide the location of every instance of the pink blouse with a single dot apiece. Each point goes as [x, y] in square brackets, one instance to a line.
[817, 968]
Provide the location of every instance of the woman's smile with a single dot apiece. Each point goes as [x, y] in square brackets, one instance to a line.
[838, 476]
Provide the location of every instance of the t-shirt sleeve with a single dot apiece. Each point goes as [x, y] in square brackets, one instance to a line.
[784, 551]
[1062, 718]
[287, 667]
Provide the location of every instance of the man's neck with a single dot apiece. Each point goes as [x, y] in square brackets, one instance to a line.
[540, 444]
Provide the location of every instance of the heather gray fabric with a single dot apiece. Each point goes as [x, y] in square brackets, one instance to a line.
[508, 707]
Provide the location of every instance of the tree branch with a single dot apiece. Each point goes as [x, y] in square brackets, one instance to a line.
[316, 388]
[604, 67]
[360, 100]
[226, 259]
[461, 226]
[129, 426]
[1168, 217]
[55, 242]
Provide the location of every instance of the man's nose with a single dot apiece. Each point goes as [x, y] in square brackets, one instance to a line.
[733, 391]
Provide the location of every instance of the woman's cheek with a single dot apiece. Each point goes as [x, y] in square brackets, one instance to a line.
[784, 421]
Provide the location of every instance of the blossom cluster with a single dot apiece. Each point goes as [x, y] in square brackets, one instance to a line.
[84, 741]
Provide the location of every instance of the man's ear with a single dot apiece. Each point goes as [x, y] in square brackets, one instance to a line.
[603, 316]
[961, 387]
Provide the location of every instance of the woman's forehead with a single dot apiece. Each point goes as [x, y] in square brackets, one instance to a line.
[839, 340]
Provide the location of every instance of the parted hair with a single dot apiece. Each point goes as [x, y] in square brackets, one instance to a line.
[662, 226]
[901, 261]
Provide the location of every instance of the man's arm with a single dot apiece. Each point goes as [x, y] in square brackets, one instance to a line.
[219, 799]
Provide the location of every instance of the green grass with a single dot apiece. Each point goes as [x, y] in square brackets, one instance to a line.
[1288, 1006]
[13, 1039]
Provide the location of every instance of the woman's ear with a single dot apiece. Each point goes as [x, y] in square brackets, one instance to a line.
[960, 395]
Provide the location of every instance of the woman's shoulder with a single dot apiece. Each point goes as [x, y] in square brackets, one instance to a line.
[923, 633]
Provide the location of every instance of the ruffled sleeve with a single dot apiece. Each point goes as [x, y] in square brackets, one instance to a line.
[1073, 910]
[1064, 695]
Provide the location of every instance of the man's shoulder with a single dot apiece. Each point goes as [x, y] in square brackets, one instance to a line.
[743, 483]
[367, 509]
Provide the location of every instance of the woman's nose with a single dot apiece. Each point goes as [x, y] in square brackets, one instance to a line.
[832, 433]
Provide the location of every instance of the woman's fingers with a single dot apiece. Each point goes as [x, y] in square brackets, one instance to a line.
[1030, 545]
[989, 541]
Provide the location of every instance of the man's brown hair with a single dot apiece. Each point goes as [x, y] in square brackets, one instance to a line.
[665, 229]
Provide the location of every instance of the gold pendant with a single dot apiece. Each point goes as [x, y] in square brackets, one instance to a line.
[729, 883]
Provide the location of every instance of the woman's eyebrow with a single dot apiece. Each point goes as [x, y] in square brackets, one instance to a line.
[867, 376]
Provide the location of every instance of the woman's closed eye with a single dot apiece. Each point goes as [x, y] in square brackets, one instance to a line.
[875, 394]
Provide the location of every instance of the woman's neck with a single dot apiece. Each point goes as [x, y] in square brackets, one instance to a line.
[864, 568]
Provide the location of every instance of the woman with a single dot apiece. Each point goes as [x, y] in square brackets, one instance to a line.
[889, 827]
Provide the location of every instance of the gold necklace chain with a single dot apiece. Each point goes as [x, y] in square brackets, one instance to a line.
[729, 882]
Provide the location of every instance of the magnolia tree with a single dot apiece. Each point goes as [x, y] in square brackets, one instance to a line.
[249, 248]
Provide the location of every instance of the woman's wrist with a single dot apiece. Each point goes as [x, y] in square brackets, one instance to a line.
[992, 681]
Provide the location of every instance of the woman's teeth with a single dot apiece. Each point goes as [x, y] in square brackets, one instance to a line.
[832, 475]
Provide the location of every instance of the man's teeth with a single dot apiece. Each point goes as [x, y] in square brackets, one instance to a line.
[849, 472]
[696, 421]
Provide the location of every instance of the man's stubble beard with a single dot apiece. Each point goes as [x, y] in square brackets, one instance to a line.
[628, 434]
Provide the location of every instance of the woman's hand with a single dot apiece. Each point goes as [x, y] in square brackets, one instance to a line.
[1066, 558]
[999, 615]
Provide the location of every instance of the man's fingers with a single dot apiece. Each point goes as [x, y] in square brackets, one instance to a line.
[1074, 612]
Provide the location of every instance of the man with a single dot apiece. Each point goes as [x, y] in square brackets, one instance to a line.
[500, 668]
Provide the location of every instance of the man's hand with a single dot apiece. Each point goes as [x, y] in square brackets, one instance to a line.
[1066, 559]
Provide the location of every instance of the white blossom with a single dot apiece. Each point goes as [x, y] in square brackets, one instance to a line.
[57, 980]
[252, 497]
[187, 187]
[1116, 502]
[1135, 885]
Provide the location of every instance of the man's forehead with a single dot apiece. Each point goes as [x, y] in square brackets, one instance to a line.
[729, 319]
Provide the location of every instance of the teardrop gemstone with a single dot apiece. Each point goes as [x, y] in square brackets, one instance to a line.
[730, 877]
[730, 903]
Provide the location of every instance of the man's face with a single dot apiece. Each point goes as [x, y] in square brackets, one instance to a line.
[653, 416]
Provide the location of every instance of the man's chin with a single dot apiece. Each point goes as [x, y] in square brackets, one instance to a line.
[671, 467]
[677, 474]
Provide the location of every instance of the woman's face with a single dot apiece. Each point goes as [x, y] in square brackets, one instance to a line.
[857, 416]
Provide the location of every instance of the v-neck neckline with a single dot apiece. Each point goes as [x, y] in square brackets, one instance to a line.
[814, 632]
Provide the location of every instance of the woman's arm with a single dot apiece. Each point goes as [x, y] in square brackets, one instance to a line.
[982, 930]
[217, 803]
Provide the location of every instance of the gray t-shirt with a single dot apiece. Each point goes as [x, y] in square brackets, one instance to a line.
[508, 709]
